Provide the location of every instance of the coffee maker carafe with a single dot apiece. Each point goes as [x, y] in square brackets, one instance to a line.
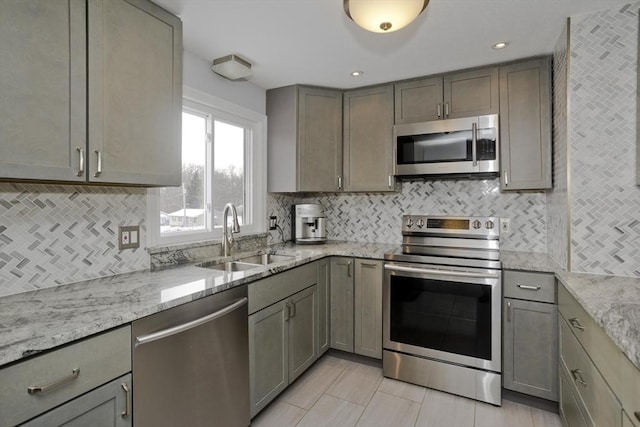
[308, 223]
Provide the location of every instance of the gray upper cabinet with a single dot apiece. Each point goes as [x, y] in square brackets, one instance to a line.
[43, 79]
[463, 94]
[135, 93]
[525, 125]
[368, 139]
[112, 67]
[305, 139]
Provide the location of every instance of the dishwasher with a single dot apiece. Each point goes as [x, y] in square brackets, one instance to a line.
[191, 364]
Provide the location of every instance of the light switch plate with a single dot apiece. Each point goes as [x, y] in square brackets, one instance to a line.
[129, 237]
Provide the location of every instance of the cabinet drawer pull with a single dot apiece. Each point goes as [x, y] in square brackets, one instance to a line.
[45, 388]
[531, 288]
[99, 169]
[577, 377]
[127, 397]
[576, 323]
[80, 161]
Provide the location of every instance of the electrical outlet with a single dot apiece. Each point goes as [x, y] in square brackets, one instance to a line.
[129, 237]
[505, 225]
[273, 222]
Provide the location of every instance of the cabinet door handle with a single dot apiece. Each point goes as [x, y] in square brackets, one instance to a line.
[287, 313]
[439, 110]
[80, 161]
[576, 323]
[293, 306]
[99, 169]
[531, 288]
[349, 269]
[45, 388]
[339, 183]
[509, 311]
[506, 178]
[474, 144]
[577, 377]
[390, 181]
[446, 109]
[127, 397]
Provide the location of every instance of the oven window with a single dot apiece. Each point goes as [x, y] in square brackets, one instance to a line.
[454, 317]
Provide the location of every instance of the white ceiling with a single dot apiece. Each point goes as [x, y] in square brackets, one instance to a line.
[313, 41]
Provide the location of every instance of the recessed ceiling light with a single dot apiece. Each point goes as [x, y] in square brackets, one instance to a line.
[357, 73]
[500, 45]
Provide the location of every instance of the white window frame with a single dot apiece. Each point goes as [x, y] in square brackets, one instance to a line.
[255, 166]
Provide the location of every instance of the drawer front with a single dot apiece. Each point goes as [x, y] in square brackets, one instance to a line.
[572, 412]
[529, 285]
[601, 404]
[98, 359]
[268, 291]
[604, 353]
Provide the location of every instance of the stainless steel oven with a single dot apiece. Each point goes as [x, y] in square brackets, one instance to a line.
[442, 306]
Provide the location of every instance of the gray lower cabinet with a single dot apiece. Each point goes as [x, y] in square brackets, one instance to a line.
[303, 331]
[106, 406]
[367, 325]
[90, 91]
[368, 139]
[356, 306]
[525, 125]
[530, 334]
[342, 304]
[530, 348]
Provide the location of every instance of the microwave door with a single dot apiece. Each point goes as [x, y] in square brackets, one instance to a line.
[434, 148]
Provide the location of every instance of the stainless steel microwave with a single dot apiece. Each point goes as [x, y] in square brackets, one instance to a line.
[463, 146]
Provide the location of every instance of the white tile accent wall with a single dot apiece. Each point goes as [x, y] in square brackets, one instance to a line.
[557, 199]
[53, 234]
[605, 202]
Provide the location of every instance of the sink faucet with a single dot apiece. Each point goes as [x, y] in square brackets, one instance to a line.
[228, 240]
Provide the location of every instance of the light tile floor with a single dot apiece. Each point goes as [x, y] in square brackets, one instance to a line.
[340, 392]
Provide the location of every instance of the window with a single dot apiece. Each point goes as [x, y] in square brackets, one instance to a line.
[223, 160]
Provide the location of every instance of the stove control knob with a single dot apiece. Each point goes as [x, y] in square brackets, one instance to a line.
[476, 224]
[420, 222]
[409, 222]
[489, 225]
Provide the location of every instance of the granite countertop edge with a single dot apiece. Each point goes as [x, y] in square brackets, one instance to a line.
[38, 321]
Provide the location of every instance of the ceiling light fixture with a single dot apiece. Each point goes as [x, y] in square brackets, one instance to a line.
[500, 45]
[357, 73]
[384, 16]
[232, 67]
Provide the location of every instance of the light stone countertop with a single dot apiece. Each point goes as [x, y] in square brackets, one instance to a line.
[36, 321]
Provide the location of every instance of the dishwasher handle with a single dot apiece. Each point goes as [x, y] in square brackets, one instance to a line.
[144, 339]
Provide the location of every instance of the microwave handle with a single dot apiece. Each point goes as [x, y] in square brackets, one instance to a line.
[474, 143]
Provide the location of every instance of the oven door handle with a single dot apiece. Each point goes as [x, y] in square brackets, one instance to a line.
[440, 272]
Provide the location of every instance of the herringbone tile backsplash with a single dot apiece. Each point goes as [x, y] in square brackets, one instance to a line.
[53, 234]
[376, 217]
[604, 200]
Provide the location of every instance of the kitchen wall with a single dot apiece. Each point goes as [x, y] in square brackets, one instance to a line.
[376, 217]
[596, 130]
[55, 234]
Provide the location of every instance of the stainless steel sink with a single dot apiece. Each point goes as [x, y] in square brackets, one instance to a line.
[230, 266]
[266, 259]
